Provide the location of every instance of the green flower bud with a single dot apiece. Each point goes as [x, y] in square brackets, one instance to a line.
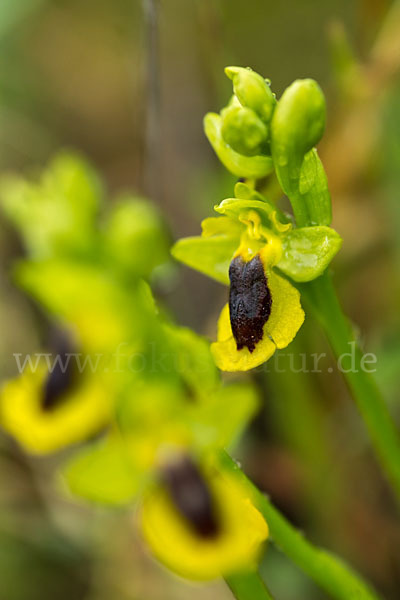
[252, 91]
[296, 126]
[298, 122]
[252, 167]
[243, 130]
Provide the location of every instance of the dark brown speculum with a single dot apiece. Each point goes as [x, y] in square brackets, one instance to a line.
[191, 496]
[250, 301]
[62, 376]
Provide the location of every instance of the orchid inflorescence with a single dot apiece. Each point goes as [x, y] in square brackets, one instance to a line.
[154, 433]
[156, 425]
[255, 247]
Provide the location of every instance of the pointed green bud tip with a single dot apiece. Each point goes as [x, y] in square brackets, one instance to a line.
[299, 120]
[252, 91]
[244, 131]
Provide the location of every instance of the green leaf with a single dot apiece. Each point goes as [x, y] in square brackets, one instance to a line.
[103, 473]
[307, 252]
[238, 164]
[209, 255]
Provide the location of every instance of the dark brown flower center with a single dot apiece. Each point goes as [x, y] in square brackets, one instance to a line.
[191, 496]
[62, 375]
[249, 301]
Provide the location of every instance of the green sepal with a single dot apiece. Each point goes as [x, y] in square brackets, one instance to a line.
[252, 91]
[134, 236]
[238, 164]
[193, 360]
[298, 123]
[227, 414]
[232, 207]
[88, 299]
[307, 251]
[55, 214]
[103, 473]
[226, 225]
[212, 252]
[243, 191]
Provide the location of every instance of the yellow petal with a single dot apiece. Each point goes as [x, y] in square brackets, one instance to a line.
[226, 355]
[236, 547]
[224, 325]
[286, 316]
[84, 412]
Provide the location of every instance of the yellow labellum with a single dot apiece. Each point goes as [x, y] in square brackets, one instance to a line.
[285, 320]
[83, 412]
[237, 546]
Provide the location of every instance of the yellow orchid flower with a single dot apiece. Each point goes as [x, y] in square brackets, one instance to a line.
[263, 314]
[44, 420]
[264, 311]
[254, 248]
[202, 525]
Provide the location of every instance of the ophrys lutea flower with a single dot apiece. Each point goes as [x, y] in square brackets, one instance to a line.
[162, 454]
[255, 249]
[66, 394]
[197, 519]
[52, 404]
[202, 524]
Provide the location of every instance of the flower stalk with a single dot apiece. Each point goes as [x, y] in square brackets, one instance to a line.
[254, 135]
[325, 306]
[199, 513]
[330, 573]
[297, 125]
[248, 586]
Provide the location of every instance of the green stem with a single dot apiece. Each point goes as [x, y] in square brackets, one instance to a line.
[248, 586]
[354, 365]
[328, 571]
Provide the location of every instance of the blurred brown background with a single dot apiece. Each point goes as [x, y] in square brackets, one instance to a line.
[87, 75]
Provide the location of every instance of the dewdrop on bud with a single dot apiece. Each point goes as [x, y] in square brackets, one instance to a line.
[252, 91]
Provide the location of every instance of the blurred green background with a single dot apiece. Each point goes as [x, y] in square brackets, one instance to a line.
[91, 75]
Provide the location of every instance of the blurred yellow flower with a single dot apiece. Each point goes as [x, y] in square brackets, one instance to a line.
[232, 544]
[81, 412]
